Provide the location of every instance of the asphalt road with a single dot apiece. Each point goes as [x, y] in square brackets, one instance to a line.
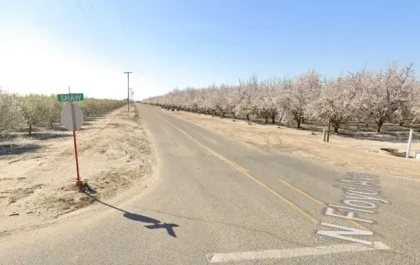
[220, 201]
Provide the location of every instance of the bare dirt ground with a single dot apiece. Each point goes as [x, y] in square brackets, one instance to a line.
[38, 173]
[355, 154]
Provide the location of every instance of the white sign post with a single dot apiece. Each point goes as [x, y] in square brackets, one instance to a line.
[410, 138]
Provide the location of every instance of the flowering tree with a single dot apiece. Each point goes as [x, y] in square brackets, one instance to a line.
[300, 94]
[339, 99]
[221, 102]
[266, 100]
[246, 93]
[231, 100]
[414, 106]
[386, 92]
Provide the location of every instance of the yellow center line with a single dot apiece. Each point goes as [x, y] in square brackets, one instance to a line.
[304, 193]
[265, 186]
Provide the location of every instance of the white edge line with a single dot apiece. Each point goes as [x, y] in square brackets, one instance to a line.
[293, 252]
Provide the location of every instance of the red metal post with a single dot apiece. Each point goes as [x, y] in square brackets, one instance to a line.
[78, 182]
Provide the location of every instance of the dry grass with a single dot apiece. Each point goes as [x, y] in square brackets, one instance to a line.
[355, 154]
[37, 174]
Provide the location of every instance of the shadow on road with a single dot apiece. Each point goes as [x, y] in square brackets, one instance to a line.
[154, 223]
[234, 225]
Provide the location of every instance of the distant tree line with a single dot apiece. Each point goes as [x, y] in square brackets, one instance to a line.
[365, 96]
[32, 110]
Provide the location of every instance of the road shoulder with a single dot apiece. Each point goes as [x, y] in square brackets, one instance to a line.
[37, 188]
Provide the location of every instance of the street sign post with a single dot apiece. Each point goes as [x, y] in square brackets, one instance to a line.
[72, 119]
[70, 97]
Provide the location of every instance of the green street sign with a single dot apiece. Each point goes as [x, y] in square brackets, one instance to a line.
[70, 97]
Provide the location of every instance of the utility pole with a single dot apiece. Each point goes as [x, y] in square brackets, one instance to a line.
[128, 89]
[132, 96]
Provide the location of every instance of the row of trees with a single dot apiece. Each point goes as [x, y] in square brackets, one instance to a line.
[364, 96]
[43, 111]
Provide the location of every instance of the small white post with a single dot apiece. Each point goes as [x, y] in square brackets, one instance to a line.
[410, 137]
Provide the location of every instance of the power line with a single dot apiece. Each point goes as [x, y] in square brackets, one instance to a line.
[83, 11]
[91, 6]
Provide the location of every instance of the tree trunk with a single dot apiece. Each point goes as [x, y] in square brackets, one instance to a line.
[273, 119]
[298, 118]
[280, 118]
[247, 116]
[336, 126]
[380, 123]
[233, 114]
[30, 129]
[303, 119]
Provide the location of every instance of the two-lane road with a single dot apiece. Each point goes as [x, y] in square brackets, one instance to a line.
[221, 201]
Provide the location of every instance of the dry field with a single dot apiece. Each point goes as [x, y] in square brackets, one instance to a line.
[352, 153]
[37, 174]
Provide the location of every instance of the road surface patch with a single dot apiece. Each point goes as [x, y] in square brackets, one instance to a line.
[246, 173]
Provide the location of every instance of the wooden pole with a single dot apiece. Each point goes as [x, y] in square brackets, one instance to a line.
[328, 132]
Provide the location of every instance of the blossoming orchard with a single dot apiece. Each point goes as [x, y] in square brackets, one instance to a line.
[390, 95]
[43, 111]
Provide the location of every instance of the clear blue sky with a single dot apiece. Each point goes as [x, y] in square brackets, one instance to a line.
[47, 45]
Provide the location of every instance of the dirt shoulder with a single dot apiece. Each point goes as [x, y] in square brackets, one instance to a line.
[37, 174]
[354, 154]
